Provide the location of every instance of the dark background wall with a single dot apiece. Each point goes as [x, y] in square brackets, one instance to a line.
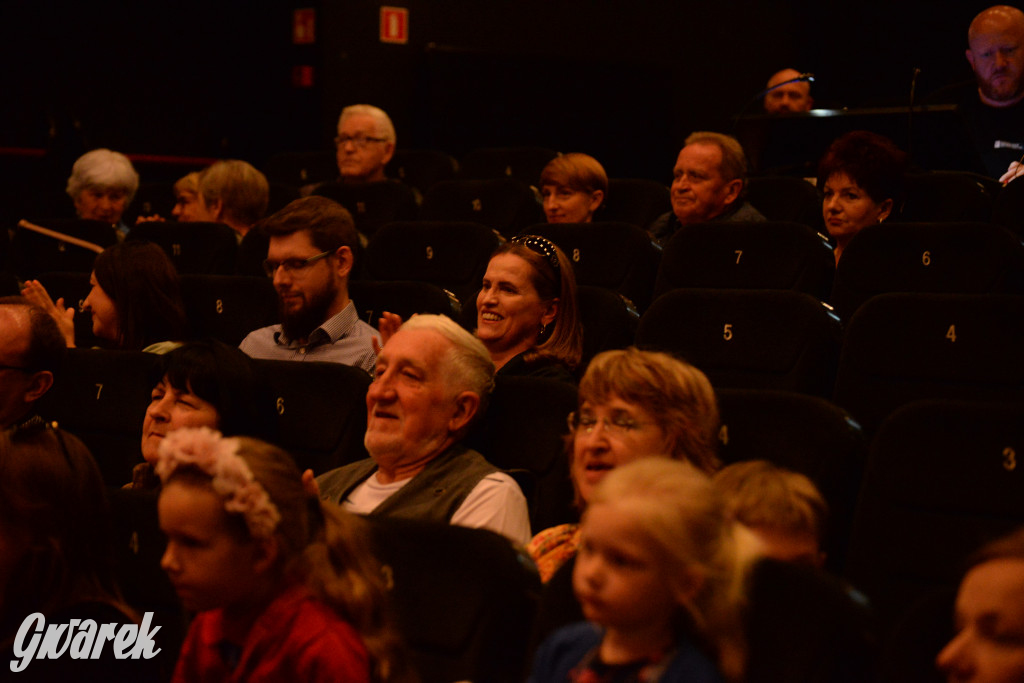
[623, 80]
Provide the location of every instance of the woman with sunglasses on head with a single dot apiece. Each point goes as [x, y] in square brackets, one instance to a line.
[526, 311]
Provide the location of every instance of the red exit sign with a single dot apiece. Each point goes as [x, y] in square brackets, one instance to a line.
[394, 25]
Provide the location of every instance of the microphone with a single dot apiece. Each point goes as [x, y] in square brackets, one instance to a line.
[806, 77]
[910, 112]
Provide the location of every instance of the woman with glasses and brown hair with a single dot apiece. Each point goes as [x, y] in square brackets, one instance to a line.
[632, 404]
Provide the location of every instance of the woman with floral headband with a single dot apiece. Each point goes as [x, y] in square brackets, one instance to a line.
[526, 311]
[285, 586]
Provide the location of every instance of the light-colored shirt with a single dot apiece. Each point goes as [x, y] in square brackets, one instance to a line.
[343, 338]
[495, 503]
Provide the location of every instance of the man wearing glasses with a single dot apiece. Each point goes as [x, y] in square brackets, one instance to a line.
[365, 144]
[32, 348]
[309, 259]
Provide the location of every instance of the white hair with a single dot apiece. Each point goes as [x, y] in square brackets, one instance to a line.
[469, 364]
[382, 121]
[103, 168]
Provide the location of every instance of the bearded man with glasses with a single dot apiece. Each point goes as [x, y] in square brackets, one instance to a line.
[309, 259]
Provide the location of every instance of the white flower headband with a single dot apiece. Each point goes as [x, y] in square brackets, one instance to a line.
[206, 450]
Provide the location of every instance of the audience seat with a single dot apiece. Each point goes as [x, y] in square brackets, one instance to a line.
[206, 248]
[504, 204]
[228, 307]
[421, 169]
[33, 253]
[938, 196]
[372, 204]
[521, 163]
[151, 199]
[803, 433]
[771, 339]
[941, 481]
[321, 410]
[404, 297]
[451, 255]
[634, 200]
[900, 348]
[967, 258]
[48, 205]
[616, 256]
[609, 321]
[101, 397]
[280, 196]
[524, 429]
[73, 288]
[785, 198]
[465, 599]
[301, 168]
[1008, 209]
[772, 255]
[138, 546]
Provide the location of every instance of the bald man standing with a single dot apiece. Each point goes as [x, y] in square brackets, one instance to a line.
[993, 103]
[787, 95]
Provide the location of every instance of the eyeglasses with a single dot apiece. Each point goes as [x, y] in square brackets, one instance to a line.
[619, 425]
[293, 265]
[360, 141]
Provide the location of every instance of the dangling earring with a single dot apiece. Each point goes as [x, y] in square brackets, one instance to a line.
[543, 329]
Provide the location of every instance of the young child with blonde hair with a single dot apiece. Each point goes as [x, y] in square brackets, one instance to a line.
[285, 586]
[783, 508]
[659, 574]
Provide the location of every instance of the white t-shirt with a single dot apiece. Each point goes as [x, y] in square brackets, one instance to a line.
[495, 503]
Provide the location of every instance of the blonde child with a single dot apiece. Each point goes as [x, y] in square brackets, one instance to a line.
[285, 586]
[784, 509]
[659, 574]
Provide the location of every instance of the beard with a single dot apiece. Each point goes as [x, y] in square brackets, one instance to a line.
[1004, 92]
[300, 323]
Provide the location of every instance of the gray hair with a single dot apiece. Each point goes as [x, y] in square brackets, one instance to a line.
[242, 189]
[468, 364]
[382, 121]
[103, 168]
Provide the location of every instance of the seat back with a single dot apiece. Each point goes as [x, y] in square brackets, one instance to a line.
[785, 198]
[806, 434]
[465, 599]
[938, 196]
[452, 256]
[321, 410]
[967, 258]
[742, 255]
[301, 168]
[521, 163]
[33, 253]
[635, 200]
[943, 474]
[900, 348]
[155, 198]
[404, 297]
[1008, 208]
[421, 169]
[503, 204]
[101, 397]
[372, 204]
[524, 428]
[228, 307]
[609, 321]
[207, 248]
[616, 256]
[771, 339]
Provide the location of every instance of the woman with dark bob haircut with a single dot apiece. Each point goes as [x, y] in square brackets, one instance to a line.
[135, 300]
[203, 384]
[861, 178]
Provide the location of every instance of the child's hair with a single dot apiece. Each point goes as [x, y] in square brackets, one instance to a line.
[52, 495]
[761, 495]
[321, 545]
[684, 518]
